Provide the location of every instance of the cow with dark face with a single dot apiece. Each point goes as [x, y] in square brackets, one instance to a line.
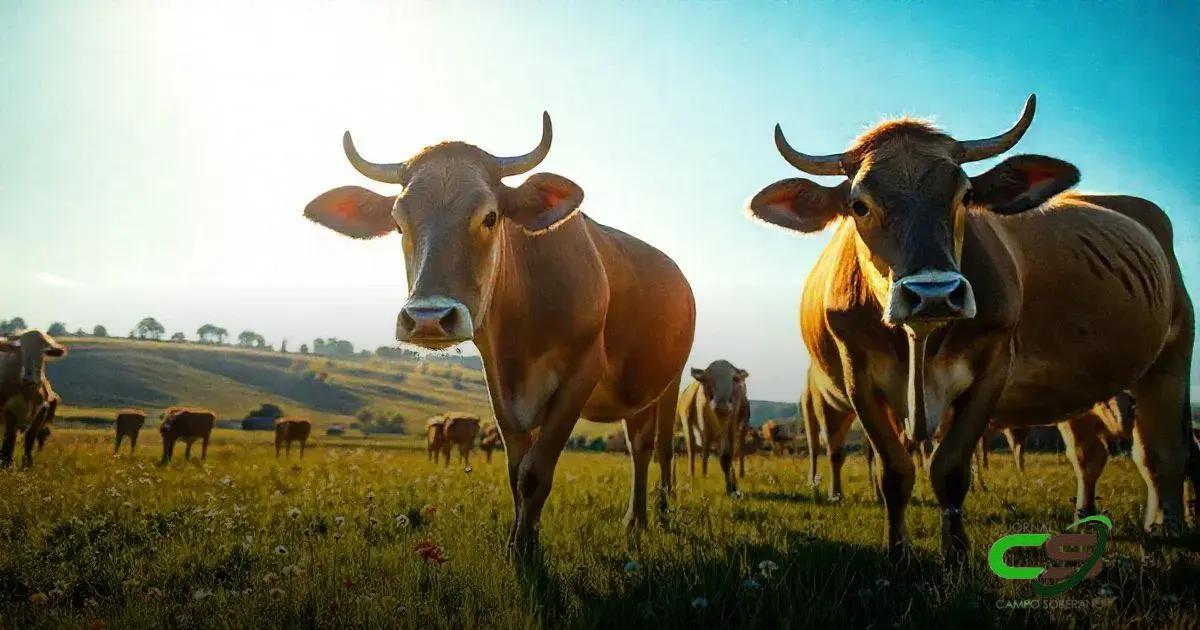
[572, 318]
[948, 298]
[714, 412]
[27, 402]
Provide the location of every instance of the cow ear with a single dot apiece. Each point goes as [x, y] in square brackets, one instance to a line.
[543, 202]
[53, 348]
[353, 211]
[1023, 182]
[8, 346]
[698, 374]
[799, 204]
[742, 374]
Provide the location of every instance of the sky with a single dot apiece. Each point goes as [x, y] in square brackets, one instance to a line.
[157, 154]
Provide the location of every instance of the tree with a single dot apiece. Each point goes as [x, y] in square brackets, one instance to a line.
[57, 329]
[251, 339]
[221, 334]
[266, 410]
[99, 331]
[178, 337]
[79, 333]
[283, 347]
[12, 326]
[303, 348]
[318, 346]
[149, 327]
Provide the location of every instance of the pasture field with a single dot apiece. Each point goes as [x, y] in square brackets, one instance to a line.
[371, 536]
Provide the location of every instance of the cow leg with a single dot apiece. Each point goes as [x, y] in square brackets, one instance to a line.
[665, 446]
[133, 442]
[117, 446]
[897, 469]
[204, 448]
[639, 435]
[168, 449]
[1016, 444]
[1159, 450]
[10, 439]
[949, 470]
[812, 434]
[278, 446]
[837, 427]
[516, 446]
[187, 449]
[303, 444]
[872, 474]
[704, 458]
[978, 465]
[29, 441]
[1088, 453]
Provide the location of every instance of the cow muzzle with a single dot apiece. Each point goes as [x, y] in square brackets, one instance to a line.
[931, 296]
[434, 323]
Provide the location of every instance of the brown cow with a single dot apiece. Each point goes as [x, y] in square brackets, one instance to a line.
[188, 425]
[940, 291]
[461, 430]
[129, 425]
[714, 410]
[288, 430]
[777, 436]
[435, 436]
[27, 401]
[490, 440]
[572, 318]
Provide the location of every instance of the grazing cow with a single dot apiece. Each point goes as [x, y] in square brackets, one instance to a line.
[461, 430]
[615, 442]
[27, 401]
[713, 410]
[288, 430]
[775, 435]
[129, 425]
[490, 440]
[572, 318]
[435, 436]
[188, 425]
[943, 292]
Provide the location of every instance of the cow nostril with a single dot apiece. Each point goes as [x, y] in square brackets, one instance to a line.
[958, 297]
[406, 321]
[449, 321]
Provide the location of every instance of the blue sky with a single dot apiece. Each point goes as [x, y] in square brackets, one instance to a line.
[157, 155]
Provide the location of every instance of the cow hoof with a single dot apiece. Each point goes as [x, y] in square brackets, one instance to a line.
[737, 494]
[634, 523]
[836, 497]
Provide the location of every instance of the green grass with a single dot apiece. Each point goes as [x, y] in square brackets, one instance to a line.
[85, 537]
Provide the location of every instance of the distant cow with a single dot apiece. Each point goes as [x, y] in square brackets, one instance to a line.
[27, 402]
[288, 430]
[714, 410]
[181, 423]
[129, 424]
[615, 442]
[435, 436]
[777, 437]
[461, 430]
[490, 440]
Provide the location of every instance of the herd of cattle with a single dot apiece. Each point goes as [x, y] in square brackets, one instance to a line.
[944, 308]
[942, 305]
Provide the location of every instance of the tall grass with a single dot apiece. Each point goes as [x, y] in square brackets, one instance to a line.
[355, 536]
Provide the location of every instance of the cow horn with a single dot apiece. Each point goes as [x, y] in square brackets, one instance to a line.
[975, 150]
[386, 173]
[524, 163]
[811, 164]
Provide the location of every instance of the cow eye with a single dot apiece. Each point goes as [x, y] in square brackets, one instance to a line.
[968, 197]
[860, 208]
[489, 220]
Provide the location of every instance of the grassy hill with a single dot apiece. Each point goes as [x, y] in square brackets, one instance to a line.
[100, 376]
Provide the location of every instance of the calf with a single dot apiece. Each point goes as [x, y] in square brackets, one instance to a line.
[461, 430]
[435, 436]
[288, 430]
[129, 425]
[189, 425]
[714, 410]
[490, 440]
[27, 401]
